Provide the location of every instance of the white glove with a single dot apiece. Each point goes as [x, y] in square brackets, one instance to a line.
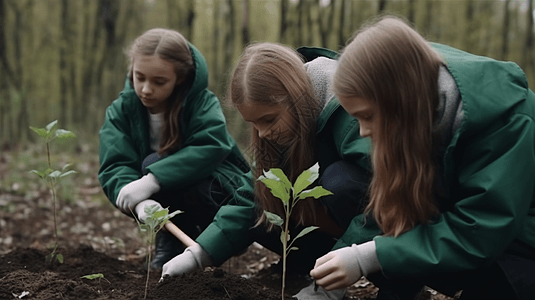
[309, 293]
[337, 269]
[137, 191]
[140, 209]
[193, 258]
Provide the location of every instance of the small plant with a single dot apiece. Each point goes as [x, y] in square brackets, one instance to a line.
[155, 221]
[282, 188]
[51, 176]
[98, 276]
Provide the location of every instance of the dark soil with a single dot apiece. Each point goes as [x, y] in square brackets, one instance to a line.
[94, 237]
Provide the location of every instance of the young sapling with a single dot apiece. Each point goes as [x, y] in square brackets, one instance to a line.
[282, 188]
[96, 276]
[52, 177]
[154, 222]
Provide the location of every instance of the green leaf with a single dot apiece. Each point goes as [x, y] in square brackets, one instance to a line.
[176, 212]
[277, 189]
[40, 174]
[93, 276]
[63, 134]
[51, 125]
[54, 174]
[59, 257]
[306, 178]
[151, 209]
[282, 237]
[160, 214]
[306, 231]
[48, 171]
[279, 175]
[65, 167]
[40, 131]
[315, 192]
[67, 173]
[293, 248]
[273, 218]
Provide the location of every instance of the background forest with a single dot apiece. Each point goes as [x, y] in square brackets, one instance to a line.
[64, 59]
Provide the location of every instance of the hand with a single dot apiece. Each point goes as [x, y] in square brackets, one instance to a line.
[311, 293]
[140, 209]
[337, 269]
[137, 191]
[193, 258]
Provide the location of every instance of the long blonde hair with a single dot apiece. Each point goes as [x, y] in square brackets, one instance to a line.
[390, 64]
[273, 74]
[173, 47]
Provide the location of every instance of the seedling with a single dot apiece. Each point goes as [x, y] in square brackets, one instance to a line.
[49, 134]
[96, 276]
[282, 188]
[155, 221]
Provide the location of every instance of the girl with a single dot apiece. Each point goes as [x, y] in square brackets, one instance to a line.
[452, 203]
[164, 141]
[286, 96]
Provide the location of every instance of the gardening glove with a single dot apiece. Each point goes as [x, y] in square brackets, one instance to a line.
[193, 258]
[313, 292]
[337, 269]
[137, 191]
[140, 209]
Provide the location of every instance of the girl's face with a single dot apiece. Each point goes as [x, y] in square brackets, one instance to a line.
[365, 111]
[274, 123]
[154, 81]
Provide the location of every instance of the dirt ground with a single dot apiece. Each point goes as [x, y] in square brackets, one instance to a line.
[94, 238]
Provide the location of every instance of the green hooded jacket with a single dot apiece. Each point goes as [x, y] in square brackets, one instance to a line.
[489, 167]
[337, 138]
[207, 148]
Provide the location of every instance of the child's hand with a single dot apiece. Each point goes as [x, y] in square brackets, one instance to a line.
[137, 191]
[193, 258]
[140, 209]
[337, 269]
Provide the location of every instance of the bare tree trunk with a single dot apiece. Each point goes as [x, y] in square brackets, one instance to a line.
[505, 31]
[469, 14]
[22, 119]
[411, 16]
[246, 37]
[382, 6]
[326, 29]
[190, 19]
[341, 31]
[63, 73]
[6, 123]
[527, 60]
[283, 21]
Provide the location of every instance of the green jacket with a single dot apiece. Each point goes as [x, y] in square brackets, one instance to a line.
[337, 138]
[489, 169]
[207, 148]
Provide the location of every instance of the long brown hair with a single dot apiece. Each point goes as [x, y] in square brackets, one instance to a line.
[273, 74]
[390, 64]
[173, 47]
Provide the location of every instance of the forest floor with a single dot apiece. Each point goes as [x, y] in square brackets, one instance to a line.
[94, 238]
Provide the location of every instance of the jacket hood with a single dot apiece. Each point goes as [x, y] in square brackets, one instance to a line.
[309, 54]
[200, 81]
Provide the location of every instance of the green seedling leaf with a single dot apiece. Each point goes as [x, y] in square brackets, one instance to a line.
[67, 173]
[316, 192]
[48, 171]
[273, 218]
[277, 189]
[282, 237]
[65, 167]
[63, 134]
[40, 174]
[306, 178]
[59, 257]
[278, 174]
[40, 131]
[293, 248]
[54, 174]
[51, 125]
[93, 276]
[176, 212]
[306, 231]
